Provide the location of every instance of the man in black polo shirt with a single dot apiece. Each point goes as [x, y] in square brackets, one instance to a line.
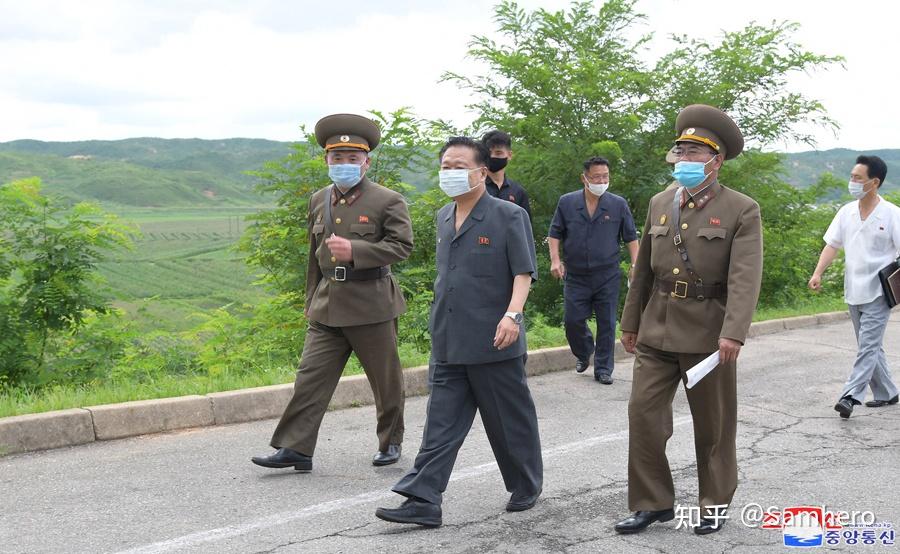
[499, 144]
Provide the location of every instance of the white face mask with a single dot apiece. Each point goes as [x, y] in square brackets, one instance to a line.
[455, 182]
[857, 190]
[598, 189]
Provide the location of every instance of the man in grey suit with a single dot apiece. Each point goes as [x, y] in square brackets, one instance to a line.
[485, 266]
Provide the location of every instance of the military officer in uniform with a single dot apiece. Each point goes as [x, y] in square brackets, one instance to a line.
[485, 266]
[357, 229]
[695, 287]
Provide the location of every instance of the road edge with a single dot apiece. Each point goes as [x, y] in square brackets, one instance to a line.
[72, 427]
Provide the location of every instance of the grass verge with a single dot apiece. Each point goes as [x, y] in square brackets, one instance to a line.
[24, 401]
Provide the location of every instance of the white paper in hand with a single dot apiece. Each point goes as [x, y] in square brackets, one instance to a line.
[701, 370]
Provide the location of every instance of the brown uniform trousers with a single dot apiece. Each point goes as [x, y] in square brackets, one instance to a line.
[351, 316]
[722, 233]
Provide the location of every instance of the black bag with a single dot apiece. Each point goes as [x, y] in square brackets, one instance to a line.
[890, 282]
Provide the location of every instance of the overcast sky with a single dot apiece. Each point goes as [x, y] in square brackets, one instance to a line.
[98, 69]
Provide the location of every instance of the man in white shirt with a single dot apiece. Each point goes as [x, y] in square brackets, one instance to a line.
[869, 232]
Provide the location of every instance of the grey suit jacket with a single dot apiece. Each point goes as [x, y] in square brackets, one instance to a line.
[475, 272]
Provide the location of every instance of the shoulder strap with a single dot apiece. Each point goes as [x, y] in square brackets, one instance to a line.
[679, 244]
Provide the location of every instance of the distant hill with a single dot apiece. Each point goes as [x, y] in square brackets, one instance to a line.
[153, 172]
[144, 172]
[804, 168]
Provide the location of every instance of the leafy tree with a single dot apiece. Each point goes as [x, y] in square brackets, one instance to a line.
[571, 84]
[48, 282]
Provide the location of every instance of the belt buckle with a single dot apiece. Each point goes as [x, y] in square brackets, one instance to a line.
[340, 273]
[684, 289]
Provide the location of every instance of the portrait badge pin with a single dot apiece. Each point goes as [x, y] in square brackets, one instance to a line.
[484, 241]
[714, 221]
[363, 219]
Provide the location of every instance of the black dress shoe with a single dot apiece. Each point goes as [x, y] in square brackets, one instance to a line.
[641, 520]
[844, 407]
[709, 525]
[580, 366]
[519, 503]
[604, 379]
[880, 403]
[285, 457]
[413, 510]
[387, 458]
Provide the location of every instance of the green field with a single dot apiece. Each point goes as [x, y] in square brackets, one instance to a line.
[183, 262]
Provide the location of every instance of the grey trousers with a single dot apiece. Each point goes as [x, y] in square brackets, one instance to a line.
[499, 391]
[870, 368]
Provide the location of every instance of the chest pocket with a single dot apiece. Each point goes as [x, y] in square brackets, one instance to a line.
[712, 233]
[484, 261]
[363, 229]
[659, 231]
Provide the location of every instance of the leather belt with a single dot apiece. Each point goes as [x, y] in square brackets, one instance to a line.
[341, 273]
[683, 289]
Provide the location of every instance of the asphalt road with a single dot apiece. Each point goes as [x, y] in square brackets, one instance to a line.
[197, 491]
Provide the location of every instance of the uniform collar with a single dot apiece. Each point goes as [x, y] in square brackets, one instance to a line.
[352, 195]
[477, 214]
[702, 198]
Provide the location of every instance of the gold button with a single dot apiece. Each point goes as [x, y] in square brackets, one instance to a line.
[676, 271]
[672, 294]
[338, 221]
[344, 201]
[683, 225]
[333, 259]
[690, 204]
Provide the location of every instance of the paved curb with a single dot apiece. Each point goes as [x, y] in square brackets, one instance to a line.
[113, 421]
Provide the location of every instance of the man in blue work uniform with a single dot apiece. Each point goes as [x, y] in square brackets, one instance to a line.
[485, 266]
[590, 223]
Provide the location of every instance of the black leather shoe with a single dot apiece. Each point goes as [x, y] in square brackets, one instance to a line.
[519, 503]
[285, 457]
[844, 407]
[414, 511]
[387, 458]
[708, 526]
[580, 366]
[880, 403]
[641, 520]
[604, 379]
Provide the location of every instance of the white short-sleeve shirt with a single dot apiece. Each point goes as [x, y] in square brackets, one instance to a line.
[868, 246]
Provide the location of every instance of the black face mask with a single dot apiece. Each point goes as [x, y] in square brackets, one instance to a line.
[496, 164]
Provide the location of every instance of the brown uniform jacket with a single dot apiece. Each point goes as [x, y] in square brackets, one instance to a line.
[723, 238]
[376, 221]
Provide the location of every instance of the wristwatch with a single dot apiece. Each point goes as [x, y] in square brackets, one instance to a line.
[515, 316]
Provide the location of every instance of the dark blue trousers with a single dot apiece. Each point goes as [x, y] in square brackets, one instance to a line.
[596, 293]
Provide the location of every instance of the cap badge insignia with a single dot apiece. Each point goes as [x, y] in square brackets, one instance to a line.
[345, 138]
[688, 131]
